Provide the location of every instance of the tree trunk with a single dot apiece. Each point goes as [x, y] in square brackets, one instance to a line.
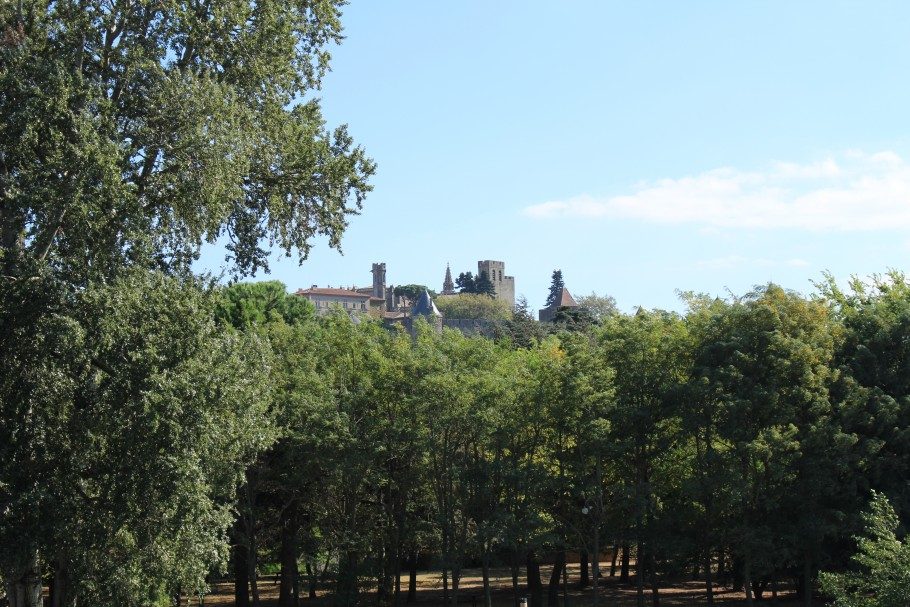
[624, 566]
[347, 580]
[709, 583]
[514, 571]
[288, 556]
[397, 575]
[535, 587]
[640, 574]
[747, 580]
[241, 576]
[23, 588]
[412, 578]
[251, 536]
[595, 566]
[655, 592]
[312, 577]
[559, 563]
[721, 567]
[456, 581]
[807, 582]
[487, 596]
[61, 587]
[585, 579]
[296, 590]
[613, 560]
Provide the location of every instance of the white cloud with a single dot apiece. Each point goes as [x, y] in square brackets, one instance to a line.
[737, 261]
[854, 192]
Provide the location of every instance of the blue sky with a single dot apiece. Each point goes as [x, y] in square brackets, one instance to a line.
[641, 147]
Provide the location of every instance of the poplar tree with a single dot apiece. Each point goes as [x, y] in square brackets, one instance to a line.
[130, 134]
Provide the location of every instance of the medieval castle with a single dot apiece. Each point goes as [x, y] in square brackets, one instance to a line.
[381, 301]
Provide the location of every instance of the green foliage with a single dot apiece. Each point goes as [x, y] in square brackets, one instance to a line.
[478, 285]
[133, 407]
[883, 579]
[413, 292]
[574, 319]
[131, 134]
[522, 330]
[474, 306]
[465, 283]
[245, 305]
[600, 307]
[484, 286]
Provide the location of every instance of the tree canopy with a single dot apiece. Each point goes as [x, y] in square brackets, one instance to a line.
[473, 305]
[131, 134]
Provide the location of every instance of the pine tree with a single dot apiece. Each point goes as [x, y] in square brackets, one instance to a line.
[466, 283]
[556, 287]
[484, 286]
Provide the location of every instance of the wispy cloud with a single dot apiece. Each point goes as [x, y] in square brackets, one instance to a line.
[855, 191]
[738, 261]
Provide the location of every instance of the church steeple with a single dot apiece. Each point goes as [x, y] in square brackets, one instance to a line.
[448, 287]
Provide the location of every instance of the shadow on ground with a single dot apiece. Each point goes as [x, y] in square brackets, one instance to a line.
[429, 593]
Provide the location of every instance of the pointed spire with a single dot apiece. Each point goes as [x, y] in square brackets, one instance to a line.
[448, 287]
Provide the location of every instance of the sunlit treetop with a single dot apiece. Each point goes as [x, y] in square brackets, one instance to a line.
[133, 131]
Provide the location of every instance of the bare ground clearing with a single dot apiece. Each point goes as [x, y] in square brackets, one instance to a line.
[429, 592]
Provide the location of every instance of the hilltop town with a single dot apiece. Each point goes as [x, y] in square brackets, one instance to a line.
[384, 301]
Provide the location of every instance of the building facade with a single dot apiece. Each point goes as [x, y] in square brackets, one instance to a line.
[327, 298]
[504, 285]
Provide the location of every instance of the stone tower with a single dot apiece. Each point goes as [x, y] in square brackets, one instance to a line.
[379, 280]
[448, 287]
[504, 285]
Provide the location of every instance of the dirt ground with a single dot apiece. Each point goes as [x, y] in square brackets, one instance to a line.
[429, 592]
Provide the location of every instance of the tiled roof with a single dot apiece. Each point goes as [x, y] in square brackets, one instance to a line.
[425, 306]
[566, 300]
[331, 292]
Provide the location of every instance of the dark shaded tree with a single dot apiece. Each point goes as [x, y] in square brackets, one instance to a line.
[556, 286]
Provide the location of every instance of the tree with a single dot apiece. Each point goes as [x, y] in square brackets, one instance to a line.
[483, 285]
[413, 292]
[465, 283]
[883, 579]
[474, 306]
[601, 307]
[246, 305]
[133, 407]
[556, 287]
[134, 133]
[280, 494]
[648, 355]
[766, 365]
[129, 135]
[522, 329]
[873, 387]
[574, 319]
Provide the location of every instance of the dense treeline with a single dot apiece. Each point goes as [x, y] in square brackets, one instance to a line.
[739, 442]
